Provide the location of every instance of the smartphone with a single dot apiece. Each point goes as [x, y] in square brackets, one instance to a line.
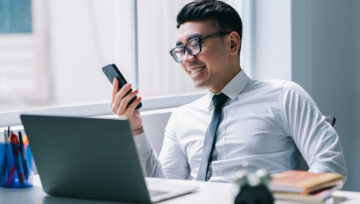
[111, 72]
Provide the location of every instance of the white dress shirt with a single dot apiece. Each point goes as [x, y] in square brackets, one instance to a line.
[264, 124]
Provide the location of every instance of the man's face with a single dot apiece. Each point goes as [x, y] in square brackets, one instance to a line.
[207, 68]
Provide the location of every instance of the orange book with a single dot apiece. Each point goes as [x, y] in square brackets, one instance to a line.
[303, 182]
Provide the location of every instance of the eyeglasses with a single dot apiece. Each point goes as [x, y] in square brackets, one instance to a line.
[193, 46]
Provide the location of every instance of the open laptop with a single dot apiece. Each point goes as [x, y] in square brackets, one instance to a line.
[91, 158]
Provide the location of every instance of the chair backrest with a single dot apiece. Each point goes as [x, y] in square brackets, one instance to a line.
[302, 163]
[331, 119]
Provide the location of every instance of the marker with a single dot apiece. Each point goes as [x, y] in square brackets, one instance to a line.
[17, 157]
[23, 156]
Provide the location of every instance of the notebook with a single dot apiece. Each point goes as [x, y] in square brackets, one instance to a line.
[91, 158]
[303, 182]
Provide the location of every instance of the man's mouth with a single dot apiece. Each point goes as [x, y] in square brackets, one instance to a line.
[197, 70]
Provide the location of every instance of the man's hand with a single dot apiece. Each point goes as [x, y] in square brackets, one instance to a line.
[119, 105]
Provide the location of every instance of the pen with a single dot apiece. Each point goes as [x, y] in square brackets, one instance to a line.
[17, 157]
[11, 176]
[7, 152]
[23, 156]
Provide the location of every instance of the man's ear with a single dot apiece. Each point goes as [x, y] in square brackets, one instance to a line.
[234, 42]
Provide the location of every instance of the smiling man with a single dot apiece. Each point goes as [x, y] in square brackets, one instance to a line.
[240, 120]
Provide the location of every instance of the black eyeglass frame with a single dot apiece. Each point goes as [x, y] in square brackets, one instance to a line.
[199, 41]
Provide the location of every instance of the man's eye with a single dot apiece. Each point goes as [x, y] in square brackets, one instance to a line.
[195, 45]
[192, 44]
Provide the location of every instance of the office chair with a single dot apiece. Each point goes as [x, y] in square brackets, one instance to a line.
[302, 165]
[331, 119]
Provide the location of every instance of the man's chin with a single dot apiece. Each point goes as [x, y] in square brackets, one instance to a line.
[200, 85]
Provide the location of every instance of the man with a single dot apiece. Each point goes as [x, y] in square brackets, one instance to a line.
[262, 124]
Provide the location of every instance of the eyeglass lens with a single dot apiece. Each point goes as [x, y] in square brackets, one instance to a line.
[192, 47]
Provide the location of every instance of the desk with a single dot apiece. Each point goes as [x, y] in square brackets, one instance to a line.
[207, 193]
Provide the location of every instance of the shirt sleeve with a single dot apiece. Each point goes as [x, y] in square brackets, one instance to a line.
[315, 138]
[148, 158]
[172, 162]
[172, 156]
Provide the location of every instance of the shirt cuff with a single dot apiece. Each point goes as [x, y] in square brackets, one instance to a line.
[142, 143]
[318, 168]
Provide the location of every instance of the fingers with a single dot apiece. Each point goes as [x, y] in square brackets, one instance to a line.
[131, 108]
[119, 97]
[120, 102]
[123, 106]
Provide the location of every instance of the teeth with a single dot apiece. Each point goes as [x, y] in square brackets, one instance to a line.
[194, 71]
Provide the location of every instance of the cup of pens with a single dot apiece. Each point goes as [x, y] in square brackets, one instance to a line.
[16, 163]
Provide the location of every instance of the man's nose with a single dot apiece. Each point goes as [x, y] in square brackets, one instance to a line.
[188, 57]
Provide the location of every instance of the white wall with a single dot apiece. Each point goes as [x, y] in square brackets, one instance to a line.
[272, 43]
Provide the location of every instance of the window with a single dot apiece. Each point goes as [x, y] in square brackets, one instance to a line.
[57, 61]
[23, 65]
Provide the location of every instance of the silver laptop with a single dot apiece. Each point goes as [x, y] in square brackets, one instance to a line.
[91, 158]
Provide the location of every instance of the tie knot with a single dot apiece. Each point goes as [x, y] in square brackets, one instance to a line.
[219, 100]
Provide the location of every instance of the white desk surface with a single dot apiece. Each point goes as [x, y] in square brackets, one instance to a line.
[207, 193]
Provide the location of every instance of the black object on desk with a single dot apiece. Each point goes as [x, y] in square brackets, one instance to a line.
[254, 195]
[253, 188]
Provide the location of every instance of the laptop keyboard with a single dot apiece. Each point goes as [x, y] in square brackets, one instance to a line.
[156, 193]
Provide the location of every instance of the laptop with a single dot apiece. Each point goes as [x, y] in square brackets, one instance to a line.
[92, 158]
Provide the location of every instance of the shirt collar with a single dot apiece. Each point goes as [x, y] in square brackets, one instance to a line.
[233, 88]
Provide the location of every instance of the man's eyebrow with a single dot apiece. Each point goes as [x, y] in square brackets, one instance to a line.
[178, 43]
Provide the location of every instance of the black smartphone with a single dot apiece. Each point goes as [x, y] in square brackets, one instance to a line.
[111, 72]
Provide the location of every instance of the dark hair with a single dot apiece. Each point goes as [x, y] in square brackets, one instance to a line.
[226, 16]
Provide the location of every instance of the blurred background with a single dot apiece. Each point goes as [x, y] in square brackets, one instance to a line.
[51, 54]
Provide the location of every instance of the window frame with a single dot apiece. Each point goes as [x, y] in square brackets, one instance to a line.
[98, 109]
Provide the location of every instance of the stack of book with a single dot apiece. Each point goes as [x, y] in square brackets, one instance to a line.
[304, 186]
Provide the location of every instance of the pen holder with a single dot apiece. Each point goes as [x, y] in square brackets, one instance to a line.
[16, 168]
